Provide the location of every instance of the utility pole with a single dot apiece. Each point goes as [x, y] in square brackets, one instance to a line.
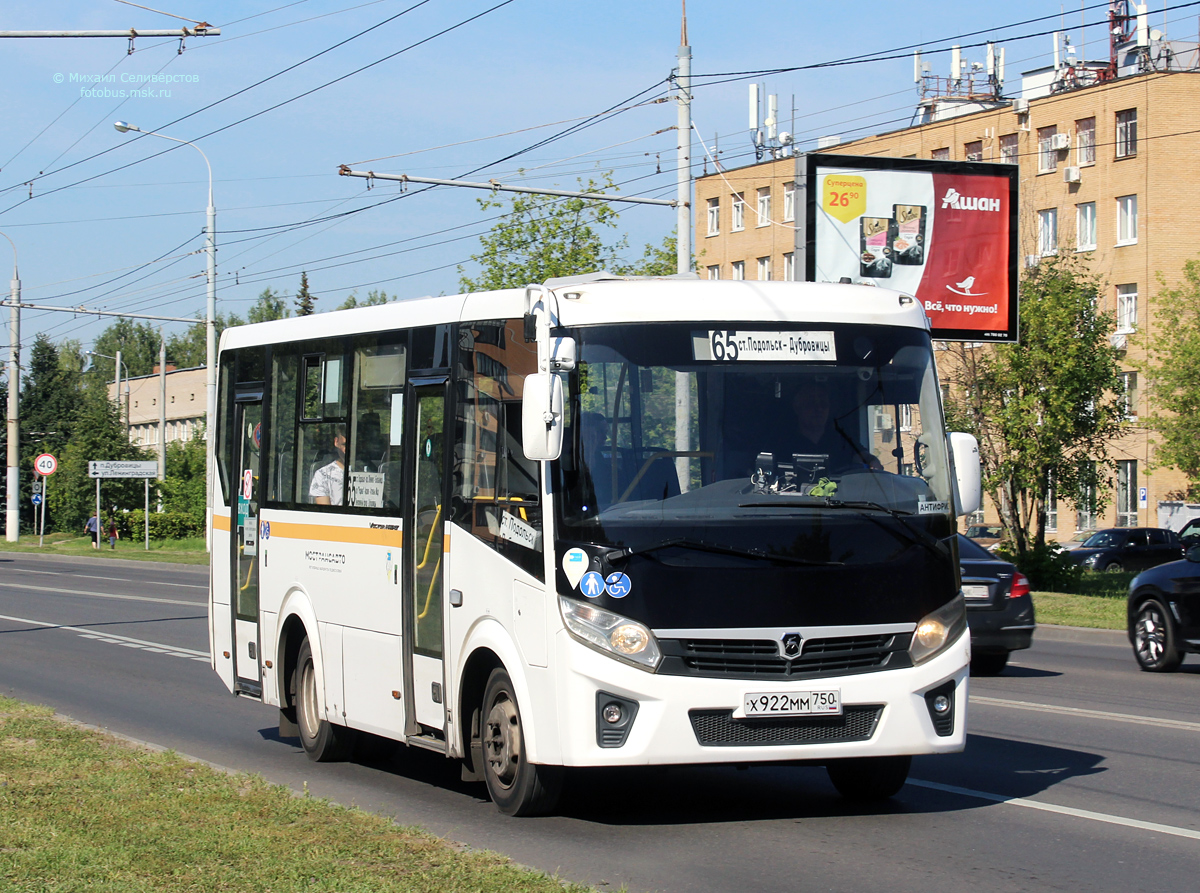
[12, 512]
[162, 408]
[683, 238]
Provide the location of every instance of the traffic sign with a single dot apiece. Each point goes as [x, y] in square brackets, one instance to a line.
[37, 498]
[45, 464]
[123, 469]
[35, 486]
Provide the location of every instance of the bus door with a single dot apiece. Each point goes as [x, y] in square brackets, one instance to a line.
[248, 421]
[424, 561]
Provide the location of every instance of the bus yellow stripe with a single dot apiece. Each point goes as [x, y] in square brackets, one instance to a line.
[328, 533]
[221, 522]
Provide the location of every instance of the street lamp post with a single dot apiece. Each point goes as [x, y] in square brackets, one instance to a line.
[12, 514]
[210, 321]
[119, 364]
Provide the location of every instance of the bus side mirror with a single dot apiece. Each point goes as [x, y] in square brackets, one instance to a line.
[542, 416]
[964, 452]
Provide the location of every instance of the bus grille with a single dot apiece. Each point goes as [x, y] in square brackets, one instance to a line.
[760, 658]
[718, 728]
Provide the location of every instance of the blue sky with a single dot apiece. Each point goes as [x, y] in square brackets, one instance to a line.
[131, 239]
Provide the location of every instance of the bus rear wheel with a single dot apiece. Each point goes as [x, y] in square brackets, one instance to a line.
[517, 786]
[867, 779]
[323, 741]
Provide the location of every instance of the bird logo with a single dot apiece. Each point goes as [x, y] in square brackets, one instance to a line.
[964, 288]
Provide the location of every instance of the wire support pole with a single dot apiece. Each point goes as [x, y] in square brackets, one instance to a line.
[494, 186]
[12, 508]
[131, 33]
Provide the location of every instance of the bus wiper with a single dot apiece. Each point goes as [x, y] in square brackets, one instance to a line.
[917, 535]
[718, 548]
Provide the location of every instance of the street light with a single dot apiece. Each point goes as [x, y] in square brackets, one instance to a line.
[210, 321]
[119, 364]
[12, 514]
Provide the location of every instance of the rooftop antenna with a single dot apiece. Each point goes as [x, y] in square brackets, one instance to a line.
[756, 134]
[956, 64]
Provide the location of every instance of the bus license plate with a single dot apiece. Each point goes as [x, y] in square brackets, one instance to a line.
[793, 703]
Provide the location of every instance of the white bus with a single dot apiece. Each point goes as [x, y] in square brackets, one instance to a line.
[599, 522]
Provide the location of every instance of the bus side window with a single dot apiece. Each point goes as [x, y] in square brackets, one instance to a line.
[377, 422]
[281, 480]
[225, 446]
[321, 431]
[497, 490]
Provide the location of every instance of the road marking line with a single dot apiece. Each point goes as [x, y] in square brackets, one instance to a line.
[1180, 724]
[96, 577]
[131, 598]
[21, 570]
[109, 637]
[1060, 810]
[184, 585]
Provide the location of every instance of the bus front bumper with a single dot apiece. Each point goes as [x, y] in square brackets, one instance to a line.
[683, 719]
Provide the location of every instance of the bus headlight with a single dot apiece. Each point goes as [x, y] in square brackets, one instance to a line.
[938, 629]
[611, 633]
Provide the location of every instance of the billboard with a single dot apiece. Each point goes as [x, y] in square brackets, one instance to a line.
[942, 231]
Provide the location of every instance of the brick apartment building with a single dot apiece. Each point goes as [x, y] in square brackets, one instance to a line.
[185, 403]
[1108, 172]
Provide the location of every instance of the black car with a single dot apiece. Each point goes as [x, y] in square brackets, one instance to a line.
[1164, 613]
[1189, 534]
[999, 607]
[1128, 549]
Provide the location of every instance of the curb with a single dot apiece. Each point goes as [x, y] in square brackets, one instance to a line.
[1050, 632]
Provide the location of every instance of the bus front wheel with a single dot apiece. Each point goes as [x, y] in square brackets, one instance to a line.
[323, 741]
[867, 779]
[517, 786]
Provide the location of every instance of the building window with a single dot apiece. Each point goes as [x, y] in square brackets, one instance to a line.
[1085, 505]
[1127, 133]
[714, 216]
[1048, 232]
[789, 267]
[1085, 226]
[1085, 141]
[1127, 308]
[1051, 508]
[714, 272]
[1129, 395]
[1047, 154]
[739, 270]
[1127, 486]
[764, 206]
[940, 154]
[739, 213]
[973, 151]
[789, 201]
[1127, 223]
[1008, 148]
[764, 269]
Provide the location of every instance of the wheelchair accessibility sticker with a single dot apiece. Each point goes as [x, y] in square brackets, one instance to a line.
[618, 584]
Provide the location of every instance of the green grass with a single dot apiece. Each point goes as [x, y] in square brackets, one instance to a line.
[1099, 602]
[80, 810]
[185, 551]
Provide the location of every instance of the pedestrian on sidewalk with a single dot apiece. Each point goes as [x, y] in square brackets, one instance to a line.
[113, 536]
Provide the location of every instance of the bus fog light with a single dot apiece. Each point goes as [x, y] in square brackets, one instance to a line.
[938, 630]
[941, 704]
[612, 713]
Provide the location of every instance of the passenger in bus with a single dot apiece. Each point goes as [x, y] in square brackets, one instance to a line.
[593, 437]
[328, 481]
[822, 435]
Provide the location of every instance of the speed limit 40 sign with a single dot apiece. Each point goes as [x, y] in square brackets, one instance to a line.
[45, 465]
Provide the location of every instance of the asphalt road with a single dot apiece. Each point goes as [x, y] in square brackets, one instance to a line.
[1080, 771]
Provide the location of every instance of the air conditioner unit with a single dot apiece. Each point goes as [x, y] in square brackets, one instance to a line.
[1071, 175]
[1117, 340]
[1060, 142]
[1021, 106]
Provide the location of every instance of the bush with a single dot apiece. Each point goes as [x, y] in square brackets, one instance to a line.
[1048, 567]
[164, 525]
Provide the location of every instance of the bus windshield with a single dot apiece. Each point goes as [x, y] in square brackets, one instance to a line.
[781, 445]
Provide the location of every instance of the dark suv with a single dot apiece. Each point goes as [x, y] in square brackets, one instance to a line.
[1128, 549]
[1164, 613]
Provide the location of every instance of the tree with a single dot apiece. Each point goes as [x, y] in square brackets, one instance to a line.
[183, 487]
[305, 300]
[660, 261]
[1044, 409]
[1173, 369]
[270, 305]
[541, 237]
[137, 342]
[190, 349]
[373, 298]
[49, 402]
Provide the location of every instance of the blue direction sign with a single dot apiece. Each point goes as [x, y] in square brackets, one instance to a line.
[36, 498]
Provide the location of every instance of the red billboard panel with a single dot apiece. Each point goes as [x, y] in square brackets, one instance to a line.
[942, 231]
